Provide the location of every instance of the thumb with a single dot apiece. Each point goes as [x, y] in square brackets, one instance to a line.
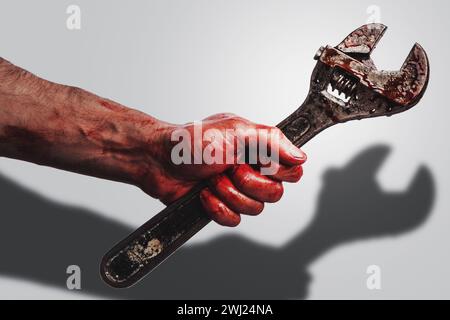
[289, 154]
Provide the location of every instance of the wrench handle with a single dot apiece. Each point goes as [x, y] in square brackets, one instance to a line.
[153, 242]
[143, 250]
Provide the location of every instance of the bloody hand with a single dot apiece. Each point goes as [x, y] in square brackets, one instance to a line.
[233, 189]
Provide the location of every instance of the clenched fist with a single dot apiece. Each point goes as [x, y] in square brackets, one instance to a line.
[234, 187]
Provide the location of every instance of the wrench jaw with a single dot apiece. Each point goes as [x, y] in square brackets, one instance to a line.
[408, 85]
[360, 43]
[363, 40]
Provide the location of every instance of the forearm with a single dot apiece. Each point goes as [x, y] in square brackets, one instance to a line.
[71, 129]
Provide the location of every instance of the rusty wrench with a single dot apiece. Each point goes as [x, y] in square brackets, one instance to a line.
[345, 85]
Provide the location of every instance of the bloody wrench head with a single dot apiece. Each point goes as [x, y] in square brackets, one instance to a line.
[346, 76]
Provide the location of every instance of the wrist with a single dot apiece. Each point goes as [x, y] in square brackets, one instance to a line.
[151, 140]
[130, 142]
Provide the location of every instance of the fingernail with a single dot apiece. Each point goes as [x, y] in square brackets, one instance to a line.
[297, 153]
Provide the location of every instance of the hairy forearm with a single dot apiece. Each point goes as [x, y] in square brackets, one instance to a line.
[72, 129]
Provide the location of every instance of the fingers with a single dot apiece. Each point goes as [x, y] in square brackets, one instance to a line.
[286, 173]
[224, 189]
[255, 185]
[244, 192]
[217, 210]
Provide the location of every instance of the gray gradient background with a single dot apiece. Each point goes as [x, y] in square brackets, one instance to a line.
[374, 192]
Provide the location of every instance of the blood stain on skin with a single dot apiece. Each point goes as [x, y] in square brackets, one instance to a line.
[110, 106]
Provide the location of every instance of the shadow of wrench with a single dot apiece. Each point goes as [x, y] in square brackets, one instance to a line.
[345, 85]
[372, 211]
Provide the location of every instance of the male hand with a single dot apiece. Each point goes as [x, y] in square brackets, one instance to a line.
[233, 189]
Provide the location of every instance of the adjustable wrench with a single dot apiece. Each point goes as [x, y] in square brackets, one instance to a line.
[345, 85]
